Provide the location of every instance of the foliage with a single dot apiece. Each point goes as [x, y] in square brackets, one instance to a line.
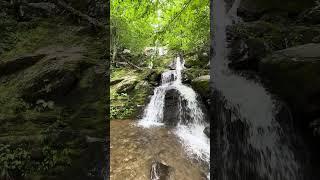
[180, 25]
[13, 161]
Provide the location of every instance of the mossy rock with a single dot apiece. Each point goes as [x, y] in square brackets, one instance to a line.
[192, 73]
[202, 85]
[199, 60]
[272, 34]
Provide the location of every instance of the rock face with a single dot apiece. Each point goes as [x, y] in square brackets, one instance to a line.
[55, 84]
[171, 107]
[254, 9]
[55, 75]
[13, 65]
[160, 171]
[294, 74]
[201, 86]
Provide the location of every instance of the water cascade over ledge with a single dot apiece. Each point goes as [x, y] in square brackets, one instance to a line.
[191, 120]
[250, 142]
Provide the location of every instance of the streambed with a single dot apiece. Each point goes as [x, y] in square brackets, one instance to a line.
[133, 149]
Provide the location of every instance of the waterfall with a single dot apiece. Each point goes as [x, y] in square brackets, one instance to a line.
[189, 131]
[252, 144]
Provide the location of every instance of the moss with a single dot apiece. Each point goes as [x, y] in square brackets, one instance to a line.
[193, 73]
[201, 85]
[25, 125]
[127, 105]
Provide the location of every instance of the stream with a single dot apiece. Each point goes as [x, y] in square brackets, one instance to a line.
[178, 142]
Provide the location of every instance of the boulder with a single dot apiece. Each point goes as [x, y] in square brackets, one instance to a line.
[191, 73]
[54, 76]
[126, 85]
[294, 74]
[172, 104]
[245, 54]
[251, 10]
[160, 171]
[201, 85]
[273, 35]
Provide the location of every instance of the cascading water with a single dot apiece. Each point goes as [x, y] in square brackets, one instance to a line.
[190, 131]
[251, 142]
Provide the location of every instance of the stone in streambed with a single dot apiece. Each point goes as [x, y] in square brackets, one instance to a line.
[160, 171]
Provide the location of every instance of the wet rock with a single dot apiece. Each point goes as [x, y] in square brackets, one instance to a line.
[294, 74]
[171, 107]
[154, 77]
[206, 131]
[245, 54]
[160, 171]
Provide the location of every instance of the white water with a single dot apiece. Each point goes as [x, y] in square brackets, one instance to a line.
[195, 142]
[255, 105]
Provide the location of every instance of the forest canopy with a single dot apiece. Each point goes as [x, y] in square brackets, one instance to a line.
[177, 24]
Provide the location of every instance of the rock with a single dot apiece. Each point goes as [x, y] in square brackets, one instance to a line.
[201, 85]
[294, 74]
[126, 85]
[272, 35]
[192, 73]
[206, 131]
[246, 54]
[171, 107]
[199, 60]
[154, 77]
[35, 10]
[298, 35]
[311, 15]
[115, 81]
[160, 171]
[251, 10]
[55, 75]
[13, 65]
